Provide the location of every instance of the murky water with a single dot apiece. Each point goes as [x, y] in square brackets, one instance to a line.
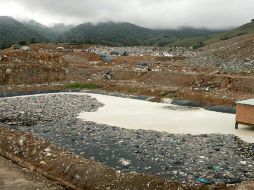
[138, 114]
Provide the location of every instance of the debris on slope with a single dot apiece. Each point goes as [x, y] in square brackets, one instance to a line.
[234, 55]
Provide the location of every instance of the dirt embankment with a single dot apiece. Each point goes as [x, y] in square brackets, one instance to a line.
[205, 88]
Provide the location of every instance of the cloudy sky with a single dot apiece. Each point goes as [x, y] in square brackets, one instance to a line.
[147, 13]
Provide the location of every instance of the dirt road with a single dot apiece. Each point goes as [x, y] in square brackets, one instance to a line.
[15, 177]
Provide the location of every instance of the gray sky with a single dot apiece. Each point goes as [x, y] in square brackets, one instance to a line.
[147, 13]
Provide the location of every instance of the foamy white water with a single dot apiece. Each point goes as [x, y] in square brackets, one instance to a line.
[138, 114]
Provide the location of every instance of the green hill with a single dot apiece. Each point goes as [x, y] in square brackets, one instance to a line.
[242, 30]
[51, 33]
[12, 31]
[184, 37]
[126, 34]
[108, 34]
[45, 31]
[114, 34]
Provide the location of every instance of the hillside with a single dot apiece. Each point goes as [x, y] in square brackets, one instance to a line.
[113, 34]
[230, 51]
[51, 33]
[184, 37]
[232, 55]
[12, 31]
[242, 30]
[108, 34]
[47, 32]
[126, 34]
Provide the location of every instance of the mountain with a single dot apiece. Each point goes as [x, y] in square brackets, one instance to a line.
[45, 31]
[51, 33]
[108, 34]
[184, 37]
[114, 34]
[12, 31]
[242, 30]
[126, 34]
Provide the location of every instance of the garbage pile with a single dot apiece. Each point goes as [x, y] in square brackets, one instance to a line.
[141, 51]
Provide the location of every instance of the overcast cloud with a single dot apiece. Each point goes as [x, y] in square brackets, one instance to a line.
[147, 13]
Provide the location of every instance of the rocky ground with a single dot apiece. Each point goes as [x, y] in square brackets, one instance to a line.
[203, 159]
[32, 110]
[234, 55]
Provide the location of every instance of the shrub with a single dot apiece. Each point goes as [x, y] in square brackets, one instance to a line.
[224, 38]
[199, 45]
[22, 43]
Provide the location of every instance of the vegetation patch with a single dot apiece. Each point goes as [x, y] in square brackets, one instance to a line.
[82, 86]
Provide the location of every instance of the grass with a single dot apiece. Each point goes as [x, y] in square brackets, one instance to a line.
[82, 86]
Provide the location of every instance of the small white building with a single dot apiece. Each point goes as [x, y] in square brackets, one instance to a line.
[60, 48]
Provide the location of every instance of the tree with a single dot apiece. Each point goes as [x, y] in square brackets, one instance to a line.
[252, 20]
